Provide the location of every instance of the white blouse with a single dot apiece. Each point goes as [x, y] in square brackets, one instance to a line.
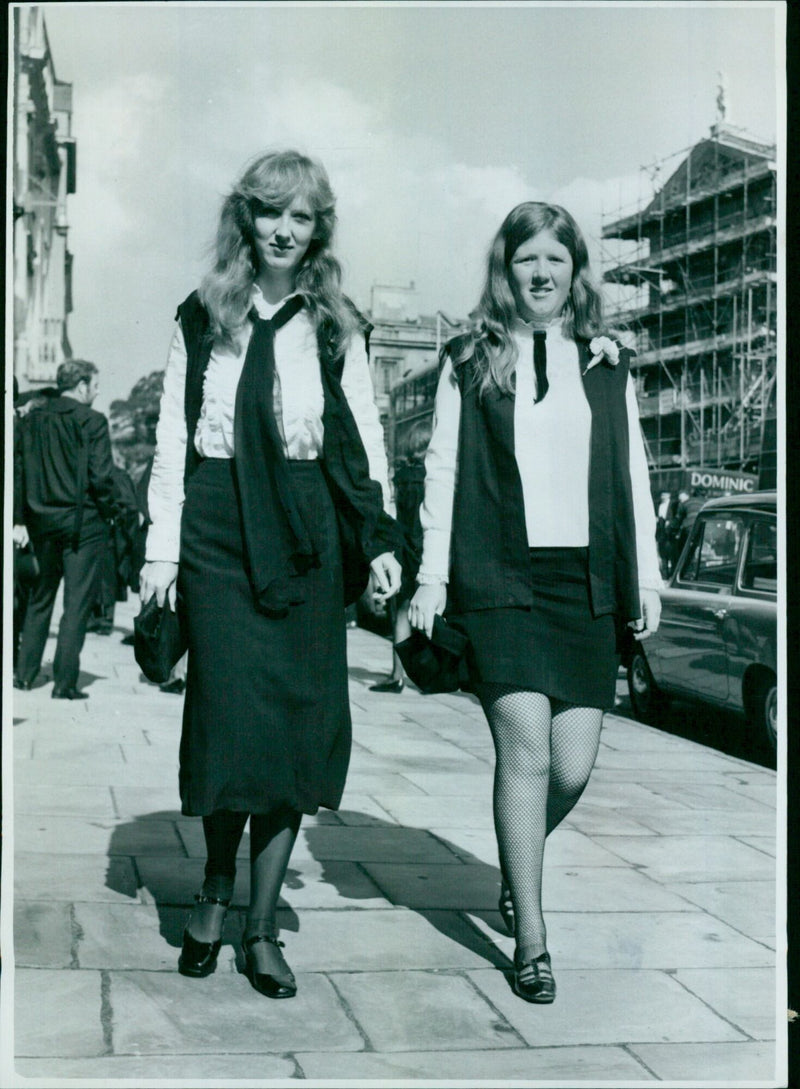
[299, 403]
[552, 446]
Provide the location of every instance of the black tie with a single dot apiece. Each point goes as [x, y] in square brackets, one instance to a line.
[261, 470]
[540, 364]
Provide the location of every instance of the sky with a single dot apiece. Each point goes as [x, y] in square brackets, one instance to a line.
[433, 121]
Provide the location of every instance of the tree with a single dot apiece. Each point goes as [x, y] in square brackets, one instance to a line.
[133, 421]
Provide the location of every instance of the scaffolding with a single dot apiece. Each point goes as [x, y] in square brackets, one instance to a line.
[693, 270]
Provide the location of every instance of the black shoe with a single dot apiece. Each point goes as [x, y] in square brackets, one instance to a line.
[505, 905]
[199, 959]
[388, 686]
[174, 687]
[264, 983]
[534, 981]
[68, 694]
[23, 686]
[128, 640]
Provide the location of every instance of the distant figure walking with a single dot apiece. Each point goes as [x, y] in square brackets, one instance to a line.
[539, 534]
[266, 501]
[64, 498]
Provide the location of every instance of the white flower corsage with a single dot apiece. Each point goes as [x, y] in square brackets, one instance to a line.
[602, 348]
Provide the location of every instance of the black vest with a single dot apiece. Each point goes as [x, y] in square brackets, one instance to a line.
[365, 530]
[490, 563]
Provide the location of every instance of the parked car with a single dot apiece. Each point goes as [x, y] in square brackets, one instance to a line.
[717, 641]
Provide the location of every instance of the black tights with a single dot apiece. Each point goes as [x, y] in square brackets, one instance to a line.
[545, 752]
[272, 837]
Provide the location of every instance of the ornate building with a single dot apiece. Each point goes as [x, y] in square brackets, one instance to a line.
[44, 176]
[402, 340]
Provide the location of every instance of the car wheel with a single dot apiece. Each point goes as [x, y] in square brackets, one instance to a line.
[647, 700]
[764, 713]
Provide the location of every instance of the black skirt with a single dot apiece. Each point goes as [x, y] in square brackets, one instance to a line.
[556, 647]
[267, 716]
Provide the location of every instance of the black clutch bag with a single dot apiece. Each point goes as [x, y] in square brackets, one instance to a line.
[437, 664]
[159, 639]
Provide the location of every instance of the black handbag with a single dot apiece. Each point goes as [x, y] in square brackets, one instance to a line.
[159, 639]
[437, 664]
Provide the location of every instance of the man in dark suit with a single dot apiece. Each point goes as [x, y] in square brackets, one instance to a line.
[63, 497]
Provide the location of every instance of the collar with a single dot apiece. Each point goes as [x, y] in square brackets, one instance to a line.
[266, 309]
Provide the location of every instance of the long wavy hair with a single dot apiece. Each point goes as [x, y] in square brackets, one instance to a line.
[491, 344]
[275, 179]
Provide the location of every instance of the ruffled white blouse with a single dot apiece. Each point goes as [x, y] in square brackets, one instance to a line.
[299, 404]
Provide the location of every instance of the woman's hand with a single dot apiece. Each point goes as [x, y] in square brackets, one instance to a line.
[159, 577]
[384, 577]
[651, 615]
[429, 601]
[20, 535]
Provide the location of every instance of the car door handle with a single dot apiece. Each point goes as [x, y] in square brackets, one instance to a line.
[720, 614]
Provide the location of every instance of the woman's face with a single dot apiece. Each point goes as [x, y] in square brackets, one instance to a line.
[282, 235]
[540, 275]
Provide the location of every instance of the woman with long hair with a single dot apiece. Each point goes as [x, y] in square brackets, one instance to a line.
[266, 500]
[539, 536]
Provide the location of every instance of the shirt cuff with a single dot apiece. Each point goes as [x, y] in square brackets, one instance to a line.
[428, 578]
[164, 547]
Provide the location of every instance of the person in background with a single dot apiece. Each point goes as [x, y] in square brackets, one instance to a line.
[115, 566]
[662, 533]
[539, 536]
[409, 491]
[64, 499]
[267, 487]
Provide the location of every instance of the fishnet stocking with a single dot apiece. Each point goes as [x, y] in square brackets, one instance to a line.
[545, 753]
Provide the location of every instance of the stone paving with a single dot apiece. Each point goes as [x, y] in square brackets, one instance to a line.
[659, 893]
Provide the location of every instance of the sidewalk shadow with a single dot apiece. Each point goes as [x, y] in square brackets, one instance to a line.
[141, 857]
[443, 894]
[370, 676]
[148, 853]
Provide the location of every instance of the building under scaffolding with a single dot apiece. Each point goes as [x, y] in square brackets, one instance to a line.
[696, 276]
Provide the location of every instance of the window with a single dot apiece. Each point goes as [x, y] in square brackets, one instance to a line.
[760, 570]
[714, 551]
[385, 369]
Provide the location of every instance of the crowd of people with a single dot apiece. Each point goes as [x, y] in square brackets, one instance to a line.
[527, 522]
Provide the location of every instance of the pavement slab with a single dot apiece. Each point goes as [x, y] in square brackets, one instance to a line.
[542, 1065]
[58, 1013]
[135, 936]
[744, 996]
[607, 1007]
[185, 1069]
[442, 813]
[157, 1013]
[747, 906]
[65, 800]
[460, 887]
[393, 843]
[426, 1011]
[697, 822]
[335, 941]
[43, 934]
[691, 858]
[665, 940]
[723, 1064]
[54, 877]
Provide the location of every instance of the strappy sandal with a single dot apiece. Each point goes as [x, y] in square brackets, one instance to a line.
[268, 985]
[199, 959]
[533, 980]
